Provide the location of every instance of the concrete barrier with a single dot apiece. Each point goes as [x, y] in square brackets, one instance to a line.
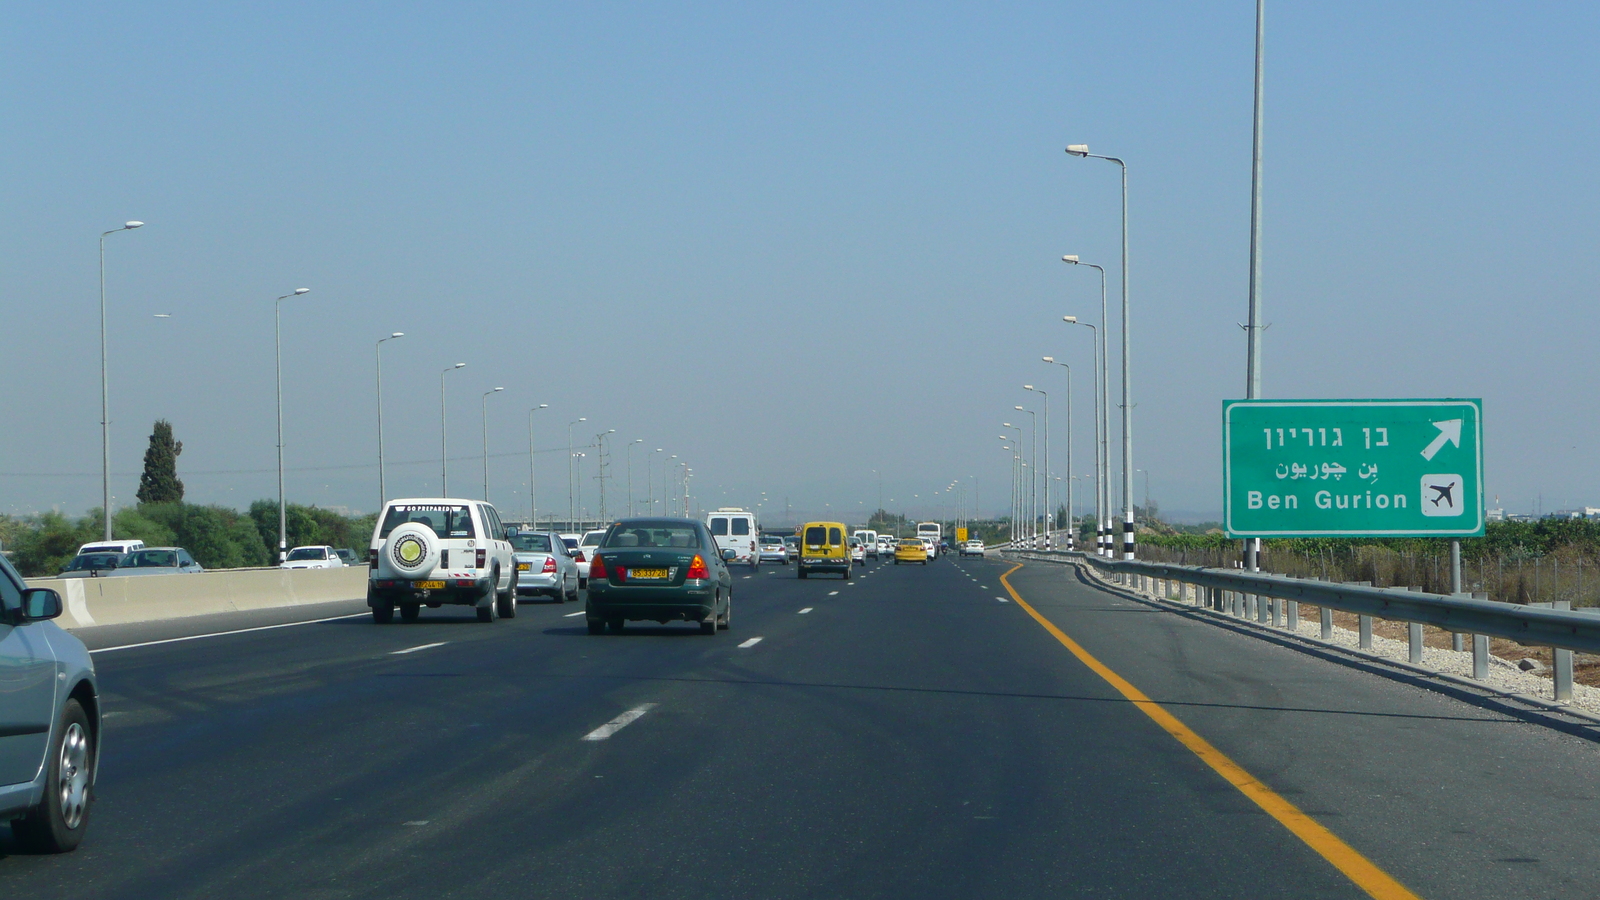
[121, 599]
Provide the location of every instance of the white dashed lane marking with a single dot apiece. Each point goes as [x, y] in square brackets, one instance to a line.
[750, 643]
[804, 611]
[833, 593]
[619, 723]
[570, 615]
[1002, 600]
[418, 647]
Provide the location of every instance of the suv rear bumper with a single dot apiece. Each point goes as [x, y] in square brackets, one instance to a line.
[387, 591]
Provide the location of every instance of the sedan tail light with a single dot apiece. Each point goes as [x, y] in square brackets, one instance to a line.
[549, 566]
[698, 570]
[597, 569]
[577, 556]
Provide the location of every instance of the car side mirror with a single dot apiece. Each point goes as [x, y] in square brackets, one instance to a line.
[730, 553]
[40, 603]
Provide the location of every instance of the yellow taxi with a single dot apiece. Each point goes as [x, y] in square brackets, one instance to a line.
[910, 550]
[824, 548]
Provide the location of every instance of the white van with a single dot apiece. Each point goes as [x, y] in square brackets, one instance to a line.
[111, 547]
[869, 542]
[735, 529]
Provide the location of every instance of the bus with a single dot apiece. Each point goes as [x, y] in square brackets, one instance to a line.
[931, 530]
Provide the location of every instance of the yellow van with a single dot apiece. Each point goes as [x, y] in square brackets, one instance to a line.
[824, 548]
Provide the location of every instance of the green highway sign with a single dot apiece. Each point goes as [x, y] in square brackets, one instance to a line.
[1352, 468]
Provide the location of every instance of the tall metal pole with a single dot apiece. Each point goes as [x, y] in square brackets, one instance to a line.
[1072, 524]
[1252, 550]
[571, 509]
[383, 493]
[630, 472]
[105, 388]
[1031, 507]
[444, 435]
[1128, 525]
[485, 405]
[277, 337]
[1049, 512]
[1102, 418]
[533, 492]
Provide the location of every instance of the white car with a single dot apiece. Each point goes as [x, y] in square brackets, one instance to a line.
[869, 542]
[736, 529]
[931, 547]
[111, 547]
[773, 549]
[321, 556]
[973, 547]
[886, 545]
[858, 551]
[433, 551]
[587, 544]
[544, 567]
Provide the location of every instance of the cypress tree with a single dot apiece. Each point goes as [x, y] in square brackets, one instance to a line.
[159, 483]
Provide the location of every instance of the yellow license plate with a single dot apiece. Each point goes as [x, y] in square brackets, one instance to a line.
[430, 585]
[647, 573]
[524, 567]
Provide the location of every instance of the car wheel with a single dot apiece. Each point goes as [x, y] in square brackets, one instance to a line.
[615, 625]
[382, 612]
[727, 614]
[596, 626]
[506, 603]
[846, 574]
[410, 611]
[708, 625]
[57, 824]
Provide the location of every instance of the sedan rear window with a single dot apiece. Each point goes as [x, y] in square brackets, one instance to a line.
[531, 543]
[446, 521]
[151, 559]
[624, 536]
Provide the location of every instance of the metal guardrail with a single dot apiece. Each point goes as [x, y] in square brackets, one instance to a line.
[1241, 594]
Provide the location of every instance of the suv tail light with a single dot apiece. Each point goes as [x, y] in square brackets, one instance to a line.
[372, 559]
[444, 559]
[597, 568]
[483, 558]
[549, 565]
[697, 569]
[577, 556]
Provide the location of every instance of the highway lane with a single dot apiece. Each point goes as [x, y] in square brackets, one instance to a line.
[912, 735]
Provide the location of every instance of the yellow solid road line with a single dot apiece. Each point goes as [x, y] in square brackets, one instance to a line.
[1366, 875]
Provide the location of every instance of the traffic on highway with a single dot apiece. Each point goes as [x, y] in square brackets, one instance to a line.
[923, 451]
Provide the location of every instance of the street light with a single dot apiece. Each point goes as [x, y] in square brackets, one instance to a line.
[1013, 512]
[571, 512]
[1082, 151]
[444, 435]
[600, 466]
[277, 336]
[650, 483]
[1032, 506]
[105, 384]
[630, 472]
[1102, 415]
[383, 494]
[1072, 526]
[484, 404]
[1049, 511]
[665, 508]
[533, 500]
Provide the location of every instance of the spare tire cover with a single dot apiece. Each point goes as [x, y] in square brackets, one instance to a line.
[411, 549]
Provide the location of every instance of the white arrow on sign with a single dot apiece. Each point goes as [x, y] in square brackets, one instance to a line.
[1449, 430]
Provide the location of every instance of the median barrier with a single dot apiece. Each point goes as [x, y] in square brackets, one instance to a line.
[124, 599]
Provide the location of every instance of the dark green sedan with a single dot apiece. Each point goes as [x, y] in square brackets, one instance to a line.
[659, 570]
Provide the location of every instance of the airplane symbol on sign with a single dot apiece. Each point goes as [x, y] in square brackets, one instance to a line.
[1444, 494]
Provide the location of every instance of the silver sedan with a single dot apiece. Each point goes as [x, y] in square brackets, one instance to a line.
[544, 566]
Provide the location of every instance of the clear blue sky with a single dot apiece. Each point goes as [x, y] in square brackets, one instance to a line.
[728, 229]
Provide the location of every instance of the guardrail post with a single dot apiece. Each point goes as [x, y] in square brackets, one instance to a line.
[1366, 632]
[1294, 615]
[1327, 623]
[1480, 656]
[1562, 669]
[1277, 611]
[1414, 639]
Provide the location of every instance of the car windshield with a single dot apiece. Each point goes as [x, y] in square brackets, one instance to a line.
[531, 543]
[151, 559]
[94, 561]
[651, 534]
[446, 520]
[307, 553]
[592, 539]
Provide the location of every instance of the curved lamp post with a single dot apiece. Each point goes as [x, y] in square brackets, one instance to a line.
[105, 385]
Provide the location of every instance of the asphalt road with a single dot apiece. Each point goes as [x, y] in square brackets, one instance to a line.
[911, 733]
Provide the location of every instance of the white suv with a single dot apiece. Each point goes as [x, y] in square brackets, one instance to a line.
[434, 551]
